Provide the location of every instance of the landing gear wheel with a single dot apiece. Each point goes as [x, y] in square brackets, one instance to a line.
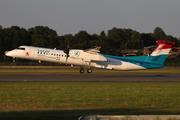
[89, 70]
[14, 60]
[81, 71]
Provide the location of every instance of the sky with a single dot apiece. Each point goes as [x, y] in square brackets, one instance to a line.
[93, 16]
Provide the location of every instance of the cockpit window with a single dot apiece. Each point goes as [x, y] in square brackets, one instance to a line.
[20, 48]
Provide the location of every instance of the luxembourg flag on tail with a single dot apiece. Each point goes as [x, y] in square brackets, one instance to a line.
[159, 55]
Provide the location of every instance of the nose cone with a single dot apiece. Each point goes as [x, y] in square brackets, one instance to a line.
[9, 53]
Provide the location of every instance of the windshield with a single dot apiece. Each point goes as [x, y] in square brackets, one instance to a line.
[20, 48]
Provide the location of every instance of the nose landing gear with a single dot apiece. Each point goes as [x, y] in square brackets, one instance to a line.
[14, 59]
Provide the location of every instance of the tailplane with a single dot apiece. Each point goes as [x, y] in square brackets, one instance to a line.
[159, 55]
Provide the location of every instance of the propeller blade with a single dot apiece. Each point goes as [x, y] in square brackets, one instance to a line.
[67, 51]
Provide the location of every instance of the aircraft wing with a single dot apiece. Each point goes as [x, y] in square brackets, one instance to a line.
[93, 50]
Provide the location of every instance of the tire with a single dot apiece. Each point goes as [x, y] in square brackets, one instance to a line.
[89, 70]
[81, 71]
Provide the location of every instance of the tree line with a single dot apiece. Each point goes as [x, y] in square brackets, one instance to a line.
[111, 43]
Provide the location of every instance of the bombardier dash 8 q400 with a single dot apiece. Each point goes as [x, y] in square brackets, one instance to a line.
[92, 58]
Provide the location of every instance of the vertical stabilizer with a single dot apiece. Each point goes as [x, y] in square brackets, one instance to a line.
[159, 55]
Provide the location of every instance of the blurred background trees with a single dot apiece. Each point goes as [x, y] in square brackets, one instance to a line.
[112, 43]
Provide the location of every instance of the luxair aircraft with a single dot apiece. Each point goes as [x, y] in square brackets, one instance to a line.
[92, 58]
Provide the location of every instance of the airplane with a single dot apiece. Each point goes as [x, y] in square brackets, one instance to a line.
[92, 58]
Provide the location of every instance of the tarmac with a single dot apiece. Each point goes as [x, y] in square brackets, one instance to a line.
[130, 117]
[91, 78]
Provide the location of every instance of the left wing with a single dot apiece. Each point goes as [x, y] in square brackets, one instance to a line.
[93, 50]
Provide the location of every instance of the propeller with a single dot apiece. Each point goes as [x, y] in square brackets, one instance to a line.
[67, 51]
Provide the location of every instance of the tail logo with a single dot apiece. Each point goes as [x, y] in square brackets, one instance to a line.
[159, 55]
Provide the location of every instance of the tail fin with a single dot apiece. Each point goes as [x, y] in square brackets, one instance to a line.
[159, 55]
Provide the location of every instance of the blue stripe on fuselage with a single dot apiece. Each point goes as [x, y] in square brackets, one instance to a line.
[140, 61]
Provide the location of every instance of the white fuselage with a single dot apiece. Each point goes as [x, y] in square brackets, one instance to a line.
[91, 58]
[76, 57]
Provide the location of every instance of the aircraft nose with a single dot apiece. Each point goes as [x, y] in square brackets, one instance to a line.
[8, 53]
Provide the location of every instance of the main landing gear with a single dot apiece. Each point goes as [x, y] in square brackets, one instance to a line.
[89, 70]
[81, 71]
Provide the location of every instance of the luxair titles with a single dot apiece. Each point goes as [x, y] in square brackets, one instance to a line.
[44, 51]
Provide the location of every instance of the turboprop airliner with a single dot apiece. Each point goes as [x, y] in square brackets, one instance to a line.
[92, 58]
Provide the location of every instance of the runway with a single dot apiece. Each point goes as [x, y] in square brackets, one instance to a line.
[90, 78]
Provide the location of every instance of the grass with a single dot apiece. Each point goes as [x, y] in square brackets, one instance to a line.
[63, 71]
[71, 100]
